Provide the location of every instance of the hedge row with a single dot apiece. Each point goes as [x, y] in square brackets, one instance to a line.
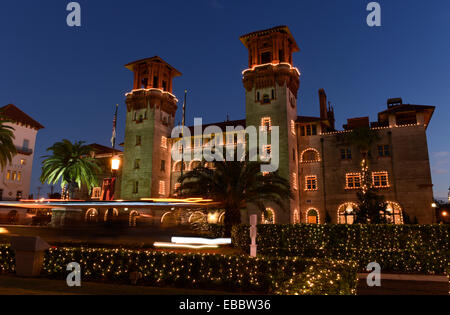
[205, 271]
[403, 248]
[7, 259]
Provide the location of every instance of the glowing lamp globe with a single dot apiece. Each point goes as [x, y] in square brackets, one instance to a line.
[115, 164]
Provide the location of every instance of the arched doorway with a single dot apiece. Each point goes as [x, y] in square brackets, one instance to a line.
[13, 217]
[168, 219]
[133, 218]
[197, 217]
[346, 213]
[312, 216]
[268, 217]
[110, 214]
[91, 215]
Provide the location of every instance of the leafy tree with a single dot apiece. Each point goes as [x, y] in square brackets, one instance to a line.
[234, 186]
[71, 164]
[7, 148]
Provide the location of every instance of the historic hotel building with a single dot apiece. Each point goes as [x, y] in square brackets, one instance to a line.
[323, 169]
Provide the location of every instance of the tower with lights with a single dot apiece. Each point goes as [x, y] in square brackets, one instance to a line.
[151, 109]
[271, 84]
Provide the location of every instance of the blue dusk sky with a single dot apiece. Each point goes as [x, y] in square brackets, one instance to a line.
[69, 79]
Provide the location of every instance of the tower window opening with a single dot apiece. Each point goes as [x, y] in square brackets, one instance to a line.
[266, 99]
[266, 57]
[144, 83]
[155, 82]
[273, 94]
[281, 55]
[257, 96]
[164, 85]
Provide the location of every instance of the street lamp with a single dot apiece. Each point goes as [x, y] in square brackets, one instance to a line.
[115, 164]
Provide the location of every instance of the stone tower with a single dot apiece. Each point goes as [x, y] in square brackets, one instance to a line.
[271, 84]
[151, 108]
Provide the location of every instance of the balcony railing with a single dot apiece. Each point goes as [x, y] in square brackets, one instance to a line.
[25, 151]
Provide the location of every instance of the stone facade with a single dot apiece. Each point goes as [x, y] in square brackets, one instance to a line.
[321, 167]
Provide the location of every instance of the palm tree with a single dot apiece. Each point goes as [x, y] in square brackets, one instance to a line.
[7, 148]
[235, 185]
[71, 164]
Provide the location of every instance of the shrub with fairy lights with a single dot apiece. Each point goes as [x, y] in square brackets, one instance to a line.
[404, 248]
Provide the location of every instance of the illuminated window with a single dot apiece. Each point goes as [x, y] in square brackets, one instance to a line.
[162, 187]
[8, 175]
[19, 195]
[163, 142]
[311, 182]
[176, 187]
[23, 162]
[14, 176]
[294, 181]
[19, 176]
[268, 217]
[346, 154]
[293, 127]
[310, 155]
[296, 217]
[346, 213]
[266, 122]
[353, 181]
[380, 179]
[96, 193]
[383, 151]
[312, 216]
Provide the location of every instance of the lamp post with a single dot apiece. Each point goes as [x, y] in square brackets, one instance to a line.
[115, 166]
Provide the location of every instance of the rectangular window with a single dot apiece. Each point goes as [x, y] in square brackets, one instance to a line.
[383, 151]
[293, 127]
[311, 183]
[8, 175]
[294, 181]
[14, 176]
[308, 130]
[23, 162]
[346, 154]
[19, 176]
[353, 181]
[135, 187]
[1, 194]
[137, 164]
[26, 144]
[96, 193]
[138, 140]
[163, 142]
[266, 122]
[163, 165]
[162, 187]
[380, 179]
[19, 195]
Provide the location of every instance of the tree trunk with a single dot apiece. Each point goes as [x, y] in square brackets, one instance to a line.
[232, 217]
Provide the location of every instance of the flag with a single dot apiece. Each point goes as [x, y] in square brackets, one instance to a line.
[113, 139]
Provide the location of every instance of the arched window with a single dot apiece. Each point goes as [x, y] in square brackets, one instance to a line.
[177, 166]
[346, 213]
[296, 217]
[310, 155]
[91, 215]
[194, 164]
[312, 216]
[269, 218]
[394, 213]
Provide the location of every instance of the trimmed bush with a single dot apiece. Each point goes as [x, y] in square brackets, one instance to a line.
[7, 259]
[207, 271]
[400, 248]
[282, 275]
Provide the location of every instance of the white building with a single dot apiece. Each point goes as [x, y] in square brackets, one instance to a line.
[16, 177]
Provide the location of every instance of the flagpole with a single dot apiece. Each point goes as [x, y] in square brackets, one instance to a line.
[182, 132]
